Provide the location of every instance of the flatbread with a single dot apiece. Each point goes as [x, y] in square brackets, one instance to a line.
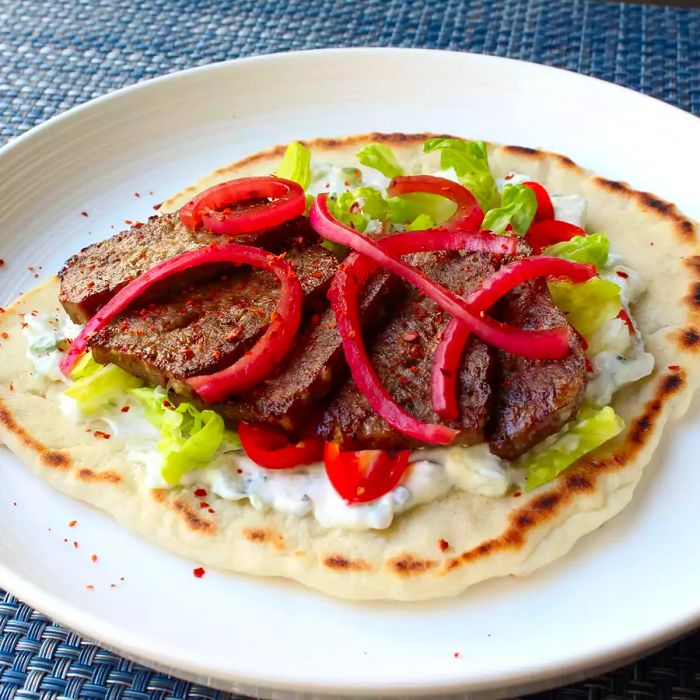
[487, 537]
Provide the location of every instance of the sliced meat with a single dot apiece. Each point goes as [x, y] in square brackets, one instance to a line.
[205, 327]
[314, 365]
[534, 398]
[402, 355]
[90, 278]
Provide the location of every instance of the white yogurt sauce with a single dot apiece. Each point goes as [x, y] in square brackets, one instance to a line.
[333, 179]
[44, 334]
[617, 356]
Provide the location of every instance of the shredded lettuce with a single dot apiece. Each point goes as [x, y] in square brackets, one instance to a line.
[358, 207]
[518, 208]
[296, 164]
[469, 159]
[85, 366]
[588, 305]
[590, 430]
[591, 249]
[380, 157]
[421, 222]
[189, 437]
[406, 208]
[98, 385]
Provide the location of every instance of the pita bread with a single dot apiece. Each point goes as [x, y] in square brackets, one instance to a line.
[487, 537]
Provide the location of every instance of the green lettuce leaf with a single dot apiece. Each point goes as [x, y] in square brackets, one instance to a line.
[588, 305]
[85, 366]
[358, 207]
[518, 208]
[591, 249]
[380, 157]
[296, 164]
[99, 385]
[189, 437]
[421, 222]
[470, 161]
[408, 207]
[589, 430]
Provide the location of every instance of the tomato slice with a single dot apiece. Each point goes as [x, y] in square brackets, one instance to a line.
[545, 233]
[364, 476]
[545, 208]
[271, 449]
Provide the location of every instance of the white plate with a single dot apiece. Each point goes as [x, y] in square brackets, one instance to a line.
[632, 584]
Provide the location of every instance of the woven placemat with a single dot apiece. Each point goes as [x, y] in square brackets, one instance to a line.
[54, 55]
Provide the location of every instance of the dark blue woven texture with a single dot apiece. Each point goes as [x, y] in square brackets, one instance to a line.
[54, 55]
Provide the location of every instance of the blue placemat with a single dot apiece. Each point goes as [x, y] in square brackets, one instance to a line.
[54, 55]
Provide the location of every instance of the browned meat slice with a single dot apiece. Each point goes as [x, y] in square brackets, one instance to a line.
[91, 277]
[534, 397]
[313, 366]
[402, 355]
[205, 327]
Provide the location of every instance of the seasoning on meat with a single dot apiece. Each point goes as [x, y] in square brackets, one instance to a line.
[405, 366]
[207, 326]
[314, 365]
[534, 398]
[93, 276]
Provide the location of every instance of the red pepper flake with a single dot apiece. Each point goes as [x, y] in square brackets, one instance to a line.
[85, 214]
[76, 545]
[2, 262]
[72, 523]
[4, 335]
[239, 471]
[628, 321]
[2, 309]
[457, 655]
[410, 336]
[93, 558]
[200, 493]
[211, 510]
[622, 274]
[158, 206]
[12, 386]
[138, 224]
[128, 222]
[198, 572]
[90, 587]
[444, 545]
[101, 434]
[517, 494]
[204, 504]
[674, 368]
[167, 404]
[125, 409]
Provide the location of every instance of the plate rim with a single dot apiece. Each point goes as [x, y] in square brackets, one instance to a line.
[106, 634]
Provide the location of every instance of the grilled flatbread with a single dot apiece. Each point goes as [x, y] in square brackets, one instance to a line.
[485, 537]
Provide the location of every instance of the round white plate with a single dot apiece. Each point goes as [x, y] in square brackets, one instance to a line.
[631, 585]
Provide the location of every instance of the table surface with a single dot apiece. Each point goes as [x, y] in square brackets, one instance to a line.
[54, 55]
